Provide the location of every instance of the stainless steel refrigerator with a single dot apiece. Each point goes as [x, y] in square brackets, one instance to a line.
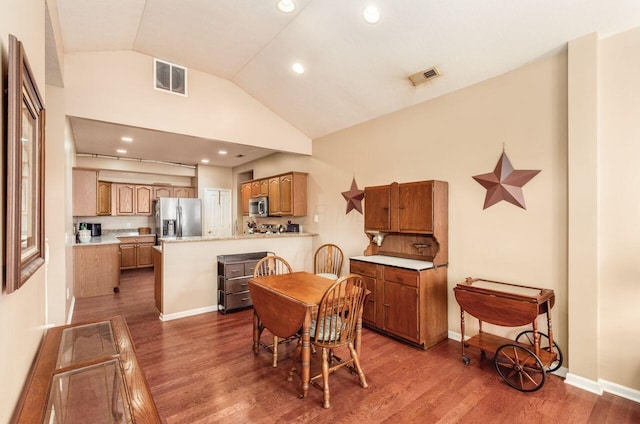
[178, 217]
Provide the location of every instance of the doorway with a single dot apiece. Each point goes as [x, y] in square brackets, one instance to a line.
[217, 212]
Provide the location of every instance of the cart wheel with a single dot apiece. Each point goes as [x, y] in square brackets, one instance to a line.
[519, 367]
[466, 360]
[526, 337]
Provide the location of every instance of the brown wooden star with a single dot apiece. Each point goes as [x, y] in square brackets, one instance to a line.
[505, 183]
[354, 197]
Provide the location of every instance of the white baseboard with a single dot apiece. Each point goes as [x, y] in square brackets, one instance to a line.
[583, 383]
[73, 304]
[191, 312]
[618, 390]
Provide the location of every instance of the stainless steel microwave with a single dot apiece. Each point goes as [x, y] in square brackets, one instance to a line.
[259, 206]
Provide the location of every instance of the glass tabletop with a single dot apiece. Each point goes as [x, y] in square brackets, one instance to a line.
[85, 343]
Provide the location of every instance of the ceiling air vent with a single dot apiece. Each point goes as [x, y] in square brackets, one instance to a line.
[424, 76]
[170, 77]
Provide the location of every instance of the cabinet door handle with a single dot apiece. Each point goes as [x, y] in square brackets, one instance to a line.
[386, 305]
[244, 298]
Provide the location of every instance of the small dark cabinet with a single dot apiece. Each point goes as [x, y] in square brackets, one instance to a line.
[234, 272]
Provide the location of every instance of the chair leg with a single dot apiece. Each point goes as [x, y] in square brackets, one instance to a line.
[325, 377]
[296, 357]
[275, 351]
[356, 363]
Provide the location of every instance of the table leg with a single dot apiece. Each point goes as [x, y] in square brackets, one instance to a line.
[256, 332]
[306, 354]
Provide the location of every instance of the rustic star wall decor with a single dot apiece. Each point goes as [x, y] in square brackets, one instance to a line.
[354, 197]
[505, 183]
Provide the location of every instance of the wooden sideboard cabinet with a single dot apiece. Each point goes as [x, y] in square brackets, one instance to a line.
[405, 303]
[87, 373]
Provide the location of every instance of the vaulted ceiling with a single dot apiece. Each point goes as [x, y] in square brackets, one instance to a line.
[354, 70]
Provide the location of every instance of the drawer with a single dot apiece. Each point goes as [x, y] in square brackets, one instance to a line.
[403, 276]
[138, 239]
[234, 270]
[235, 286]
[363, 268]
[249, 267]
[237, 300]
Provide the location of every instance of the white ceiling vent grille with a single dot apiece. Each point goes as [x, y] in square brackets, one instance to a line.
[170, 77]
[424, 76]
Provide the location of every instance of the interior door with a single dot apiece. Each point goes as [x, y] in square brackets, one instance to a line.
[217, 212]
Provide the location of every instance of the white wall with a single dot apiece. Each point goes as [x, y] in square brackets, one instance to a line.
[22, 313]
[118, 87]
[619, 207]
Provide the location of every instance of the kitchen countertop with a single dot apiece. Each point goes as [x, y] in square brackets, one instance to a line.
[235, 237]
[110, 238]
[397, 262]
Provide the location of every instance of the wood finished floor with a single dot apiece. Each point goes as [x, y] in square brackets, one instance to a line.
[202, 369]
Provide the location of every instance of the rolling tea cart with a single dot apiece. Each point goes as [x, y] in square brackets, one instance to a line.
[522, 363]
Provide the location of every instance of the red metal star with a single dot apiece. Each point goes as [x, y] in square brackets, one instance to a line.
[354, 197]
[505, 183]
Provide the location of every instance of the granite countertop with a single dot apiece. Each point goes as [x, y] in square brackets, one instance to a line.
[110, 238]
[397, 262]
[234, 237]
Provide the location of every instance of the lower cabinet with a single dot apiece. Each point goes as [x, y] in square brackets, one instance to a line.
[96, 269]
[405, 303]
[136, 251]
[234, 272]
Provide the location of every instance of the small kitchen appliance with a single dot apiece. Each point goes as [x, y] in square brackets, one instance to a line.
[259, 206]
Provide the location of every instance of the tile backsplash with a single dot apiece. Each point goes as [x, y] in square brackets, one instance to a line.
[117, 222]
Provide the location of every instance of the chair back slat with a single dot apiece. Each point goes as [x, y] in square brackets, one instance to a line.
[328, 260]
[338, 312]
[271, 265]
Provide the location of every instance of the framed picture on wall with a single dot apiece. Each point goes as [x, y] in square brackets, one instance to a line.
[24, 251]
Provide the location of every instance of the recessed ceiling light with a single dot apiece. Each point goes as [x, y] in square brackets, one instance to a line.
[121, 151]
[127, 139]
[205, 161]
[371, 14]
[286, 6]
[298, 68]
[222, 152]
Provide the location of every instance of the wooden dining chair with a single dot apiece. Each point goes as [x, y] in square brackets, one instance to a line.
[336, 324]
[272, 265]
[327, 261]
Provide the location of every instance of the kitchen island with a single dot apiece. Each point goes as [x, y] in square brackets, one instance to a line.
[188, 280]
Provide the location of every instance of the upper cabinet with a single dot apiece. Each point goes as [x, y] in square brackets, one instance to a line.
[404, 208]
[104, 198]
[133, 199]
[287, 194]
[184, 192]
[161, 191]
[245, 196]
[85, 189]
[377, 206]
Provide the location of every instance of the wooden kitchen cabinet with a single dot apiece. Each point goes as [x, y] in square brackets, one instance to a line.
[189, 192]
[136, 251]
[260, 188]
[414, 207]
[85, 192]
[405, 303]
[274, 196]
[96, 269]
[292, 195]
[159, 192]
[377, 207]
[104, 198]
[245, 190]
[133, 199]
